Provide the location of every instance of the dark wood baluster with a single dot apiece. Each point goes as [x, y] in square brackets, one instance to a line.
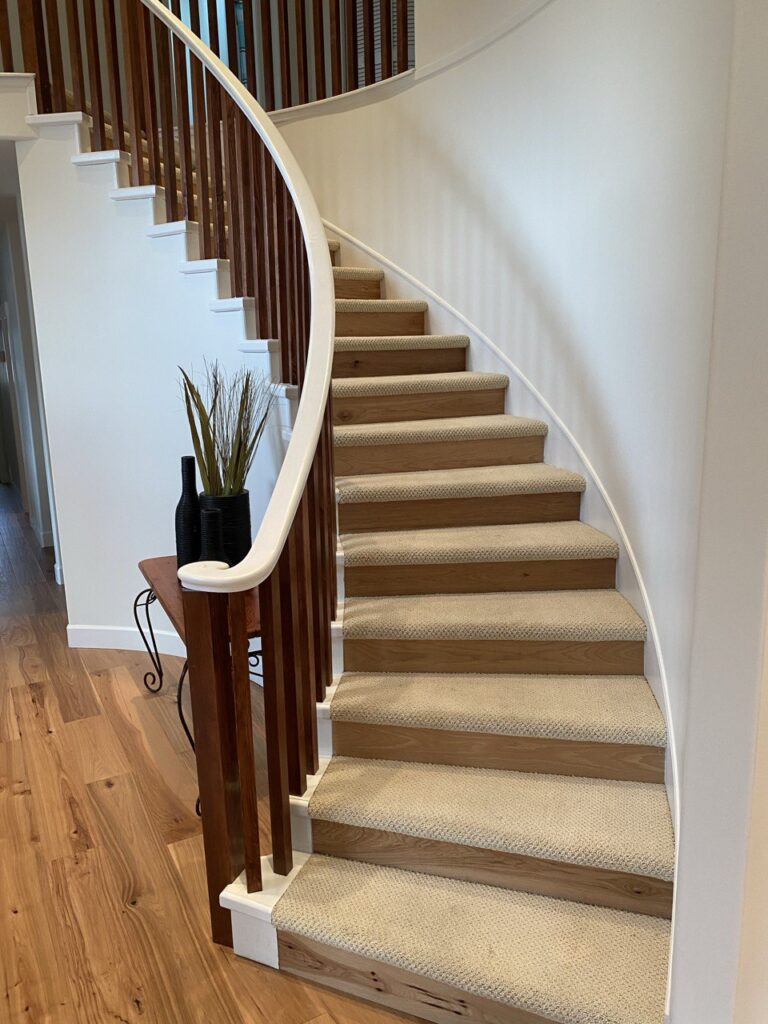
[182, 116]
[149, 118]
[241, 688]
[267, 55]
[385, 27]
[248, 229]
[318, 29]
[261, 253]
[162, 41]
[76, 53]
[274, 720]
[95, 79]
[33, 50]
[306, 650]
[113, 73]
[318, 581]
[249, 32]
[331, 499]
[269, 264]
[232, 185]
[233, 52]
[402, 36]
[210, 686]
[58, 91]
[213, 25]
[369, 46]
[326, 566]
[334, 24]
[6, 45]
[199, 115]
[301, 50]
[131, 28]
[213, 96]
[292, 641]
[279, 257]
[284, 49]
[350, 34]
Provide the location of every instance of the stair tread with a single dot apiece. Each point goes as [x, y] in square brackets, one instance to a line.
[565, 961]
[418, 383]
[358, 274]
[599, 823]
[475, 482]
[591, 709]
[507, 543]
[381, 306]
[459, 428]
[574, 615]
[398, 342]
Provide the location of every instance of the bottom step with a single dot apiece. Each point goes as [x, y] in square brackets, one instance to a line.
[446, 950]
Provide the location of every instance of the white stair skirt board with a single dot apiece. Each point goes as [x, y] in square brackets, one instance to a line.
[301, 823]
[325, 723]
[253, 934]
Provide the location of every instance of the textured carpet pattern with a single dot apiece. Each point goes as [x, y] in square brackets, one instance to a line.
[357, 274]
[516, 543]
[380, 306]
[601, 709]
[418, 384]
[579, 615]
[460, 428]
[568, 962]
[480, 482]
[401, 342]
[545, 816]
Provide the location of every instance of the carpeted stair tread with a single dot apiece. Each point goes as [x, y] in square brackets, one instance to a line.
[475, 482]
[418, 383]
[357, 274]
[567, 962]
[593, 709]
[599, 823]
[381, 306]
[523, 542]
[459, 428]
[575, 615]
[401, 342]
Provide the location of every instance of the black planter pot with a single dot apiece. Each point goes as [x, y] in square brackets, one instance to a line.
[188, 515]
[235, 513]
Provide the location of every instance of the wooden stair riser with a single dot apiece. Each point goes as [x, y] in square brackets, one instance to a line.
[423, 406]
[561, 657]
[432, 513]
[379, 323]
[601, 887]
[623, 762]
[479, 577]
[357, 289]
[397, 362]
[395, 458]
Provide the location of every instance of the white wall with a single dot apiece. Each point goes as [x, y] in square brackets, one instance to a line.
[561, 189]
[115, 318]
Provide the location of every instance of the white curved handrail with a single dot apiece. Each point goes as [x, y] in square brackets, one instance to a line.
[273, 531]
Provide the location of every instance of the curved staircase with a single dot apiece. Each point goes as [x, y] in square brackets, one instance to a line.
[492, 839]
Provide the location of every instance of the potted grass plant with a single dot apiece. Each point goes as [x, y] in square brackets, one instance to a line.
[227, 417]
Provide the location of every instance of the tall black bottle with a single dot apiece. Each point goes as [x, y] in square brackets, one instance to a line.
[188, 515]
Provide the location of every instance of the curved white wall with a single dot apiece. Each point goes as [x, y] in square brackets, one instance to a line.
[561, 189]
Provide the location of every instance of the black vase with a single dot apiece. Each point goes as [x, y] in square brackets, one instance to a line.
[212, 529]
[235, 524]
[188, 515]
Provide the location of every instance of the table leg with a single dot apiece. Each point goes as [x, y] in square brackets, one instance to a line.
[152, 680]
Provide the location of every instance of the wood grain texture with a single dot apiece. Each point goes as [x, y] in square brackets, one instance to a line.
[379, 323]
[479, 577]
[551, 756]
[357, 289]
[421, 406]
[404, 458]
[395, 362]
[569, 657]
[433, 513]
[391, 986]
[619, 890]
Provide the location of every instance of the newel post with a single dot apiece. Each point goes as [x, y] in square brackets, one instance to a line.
[213, 711]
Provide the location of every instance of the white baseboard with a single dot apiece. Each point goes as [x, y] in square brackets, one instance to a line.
[123, 638]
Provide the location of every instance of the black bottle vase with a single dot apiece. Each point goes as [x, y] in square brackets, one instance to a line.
[235, 510]
[188, 515]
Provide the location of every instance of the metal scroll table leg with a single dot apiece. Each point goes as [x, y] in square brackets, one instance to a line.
[152, 680]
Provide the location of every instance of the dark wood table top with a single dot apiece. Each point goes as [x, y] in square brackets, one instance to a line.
[160, 574]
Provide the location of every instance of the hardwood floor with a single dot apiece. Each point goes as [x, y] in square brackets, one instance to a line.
[103, 910]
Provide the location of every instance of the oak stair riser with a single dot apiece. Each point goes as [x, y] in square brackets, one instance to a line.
[564, 657]
[438, 405]
[355, 460]
[600, 887]
[479, 577]
[399, 362]
[625, 762]
[380, 323]
[428, 513]
[352, 289]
